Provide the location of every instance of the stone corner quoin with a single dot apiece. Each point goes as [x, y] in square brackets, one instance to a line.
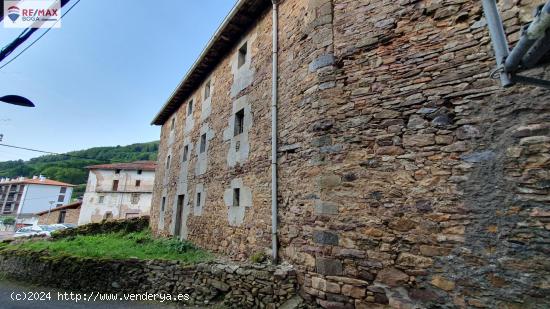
[407, 177]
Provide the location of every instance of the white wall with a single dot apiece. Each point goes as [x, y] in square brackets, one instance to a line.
[36, 198]
[119, 203]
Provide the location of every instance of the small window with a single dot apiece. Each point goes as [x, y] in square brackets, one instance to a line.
[239, 122]
[207, 90]
[101, 199]
[198, 199]
[117, 171]
[61, 198]
[135, 198]
[168, 162]
[242, 54]
[203, 143]
[138, 183]
[61, 218]
[108, 215]
[190, 107]
[236, 197]
[63, 190]
[115, 185]
[173, 124]
[185, 153]
[163, 203]
[139, 172]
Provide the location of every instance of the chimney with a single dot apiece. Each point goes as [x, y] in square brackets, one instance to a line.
[42, 177]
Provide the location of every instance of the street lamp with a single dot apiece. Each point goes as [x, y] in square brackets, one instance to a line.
[17, 100]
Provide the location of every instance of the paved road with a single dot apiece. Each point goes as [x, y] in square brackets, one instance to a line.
[9, 289]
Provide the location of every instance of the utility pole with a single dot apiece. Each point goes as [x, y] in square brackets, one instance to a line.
[49, 211]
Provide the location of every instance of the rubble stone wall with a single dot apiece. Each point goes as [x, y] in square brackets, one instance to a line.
[407, 176]
[233, 285]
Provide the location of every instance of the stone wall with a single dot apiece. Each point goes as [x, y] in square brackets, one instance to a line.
[234, 285]
[71, 216]
[407, 176]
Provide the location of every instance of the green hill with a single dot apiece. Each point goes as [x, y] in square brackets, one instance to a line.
[69, 167]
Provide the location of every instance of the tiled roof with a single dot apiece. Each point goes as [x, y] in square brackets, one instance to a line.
[45, 182]
[137, 165]
[68, 206]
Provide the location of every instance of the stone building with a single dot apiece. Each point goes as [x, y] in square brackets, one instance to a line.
[62, 214]
[406, 175]
[118, 191]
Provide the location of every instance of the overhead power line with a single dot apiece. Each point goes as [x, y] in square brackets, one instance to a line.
[52, 153]
[23, 37]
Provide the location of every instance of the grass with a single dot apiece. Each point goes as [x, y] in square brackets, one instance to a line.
[140, 245]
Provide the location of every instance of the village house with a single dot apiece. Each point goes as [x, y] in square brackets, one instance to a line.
[23, 197]
[62, 214]
[118, 191]
[376, 155]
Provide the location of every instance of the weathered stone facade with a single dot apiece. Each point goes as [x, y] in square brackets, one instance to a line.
[407, 176]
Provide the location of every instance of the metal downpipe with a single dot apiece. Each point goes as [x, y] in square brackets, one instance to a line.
[274, 99]
[498, 38]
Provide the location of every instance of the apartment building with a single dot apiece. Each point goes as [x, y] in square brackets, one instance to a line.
[117, 191]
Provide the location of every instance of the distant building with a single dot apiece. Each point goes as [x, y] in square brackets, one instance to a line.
[63, 214]
[24, 197]
[120, 190]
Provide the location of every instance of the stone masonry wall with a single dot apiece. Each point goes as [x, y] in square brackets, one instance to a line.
[71, 216]
[407, 176]
[234, 285]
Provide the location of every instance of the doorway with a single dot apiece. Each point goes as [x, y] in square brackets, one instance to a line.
[179, 215]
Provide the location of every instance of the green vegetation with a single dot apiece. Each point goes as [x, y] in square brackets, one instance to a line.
[8, 220]
[141, 245]
[258, 257]
[69, 167]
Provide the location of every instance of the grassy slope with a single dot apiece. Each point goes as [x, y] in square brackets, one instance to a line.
[141, 245]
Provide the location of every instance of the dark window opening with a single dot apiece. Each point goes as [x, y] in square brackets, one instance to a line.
[207, 90]
[117, 171]
[163, 203]
[198, 199]
[236, 197]
[62, 215]
[242, 55]
[138, 183]
[185, 152]
[173, 124]
[190, 107]
[139, 172]
[115, 185]
[239, 122]
[61, 198]
[203, 143]
[63, 190]
[179, 214]
[108, 215]
[168, 162]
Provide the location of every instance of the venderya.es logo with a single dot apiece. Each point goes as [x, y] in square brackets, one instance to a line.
[13, 13]
[32, 13]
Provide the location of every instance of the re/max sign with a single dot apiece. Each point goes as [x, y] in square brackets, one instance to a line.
[39, 12]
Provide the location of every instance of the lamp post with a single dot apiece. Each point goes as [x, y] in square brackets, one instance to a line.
[17, 100]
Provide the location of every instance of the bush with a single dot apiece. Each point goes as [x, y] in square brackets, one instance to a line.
[116, 226]
[8, 221]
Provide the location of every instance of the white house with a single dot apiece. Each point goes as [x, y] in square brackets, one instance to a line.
[22, 197]
[120, 190]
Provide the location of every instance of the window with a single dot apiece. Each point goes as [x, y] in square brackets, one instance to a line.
[101, 199]
[135, 198]
[173, 124]
[185, 152]
[108, 216]
[198, 199]
[117, 171]
[207, 90]
[62, 215]
[203, 143]
[190, 107]
[63, 190]
[163, 203]
[61, 198]
[138, 183]
[115, 185]
[239, 122]
[236, 197]
[242, 55]
[58, 205]
[139, 172]
[168, 162]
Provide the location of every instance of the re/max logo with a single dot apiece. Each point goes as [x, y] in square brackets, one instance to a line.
[39, 12]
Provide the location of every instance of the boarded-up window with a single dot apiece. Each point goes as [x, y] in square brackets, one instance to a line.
[101, 199]
[135, 198]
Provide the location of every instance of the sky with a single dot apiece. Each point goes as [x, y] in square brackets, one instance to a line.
[101, 78]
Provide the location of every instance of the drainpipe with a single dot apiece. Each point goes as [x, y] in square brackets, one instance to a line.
[274, 100]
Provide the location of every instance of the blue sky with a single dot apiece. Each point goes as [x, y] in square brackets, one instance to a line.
[100, 79]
